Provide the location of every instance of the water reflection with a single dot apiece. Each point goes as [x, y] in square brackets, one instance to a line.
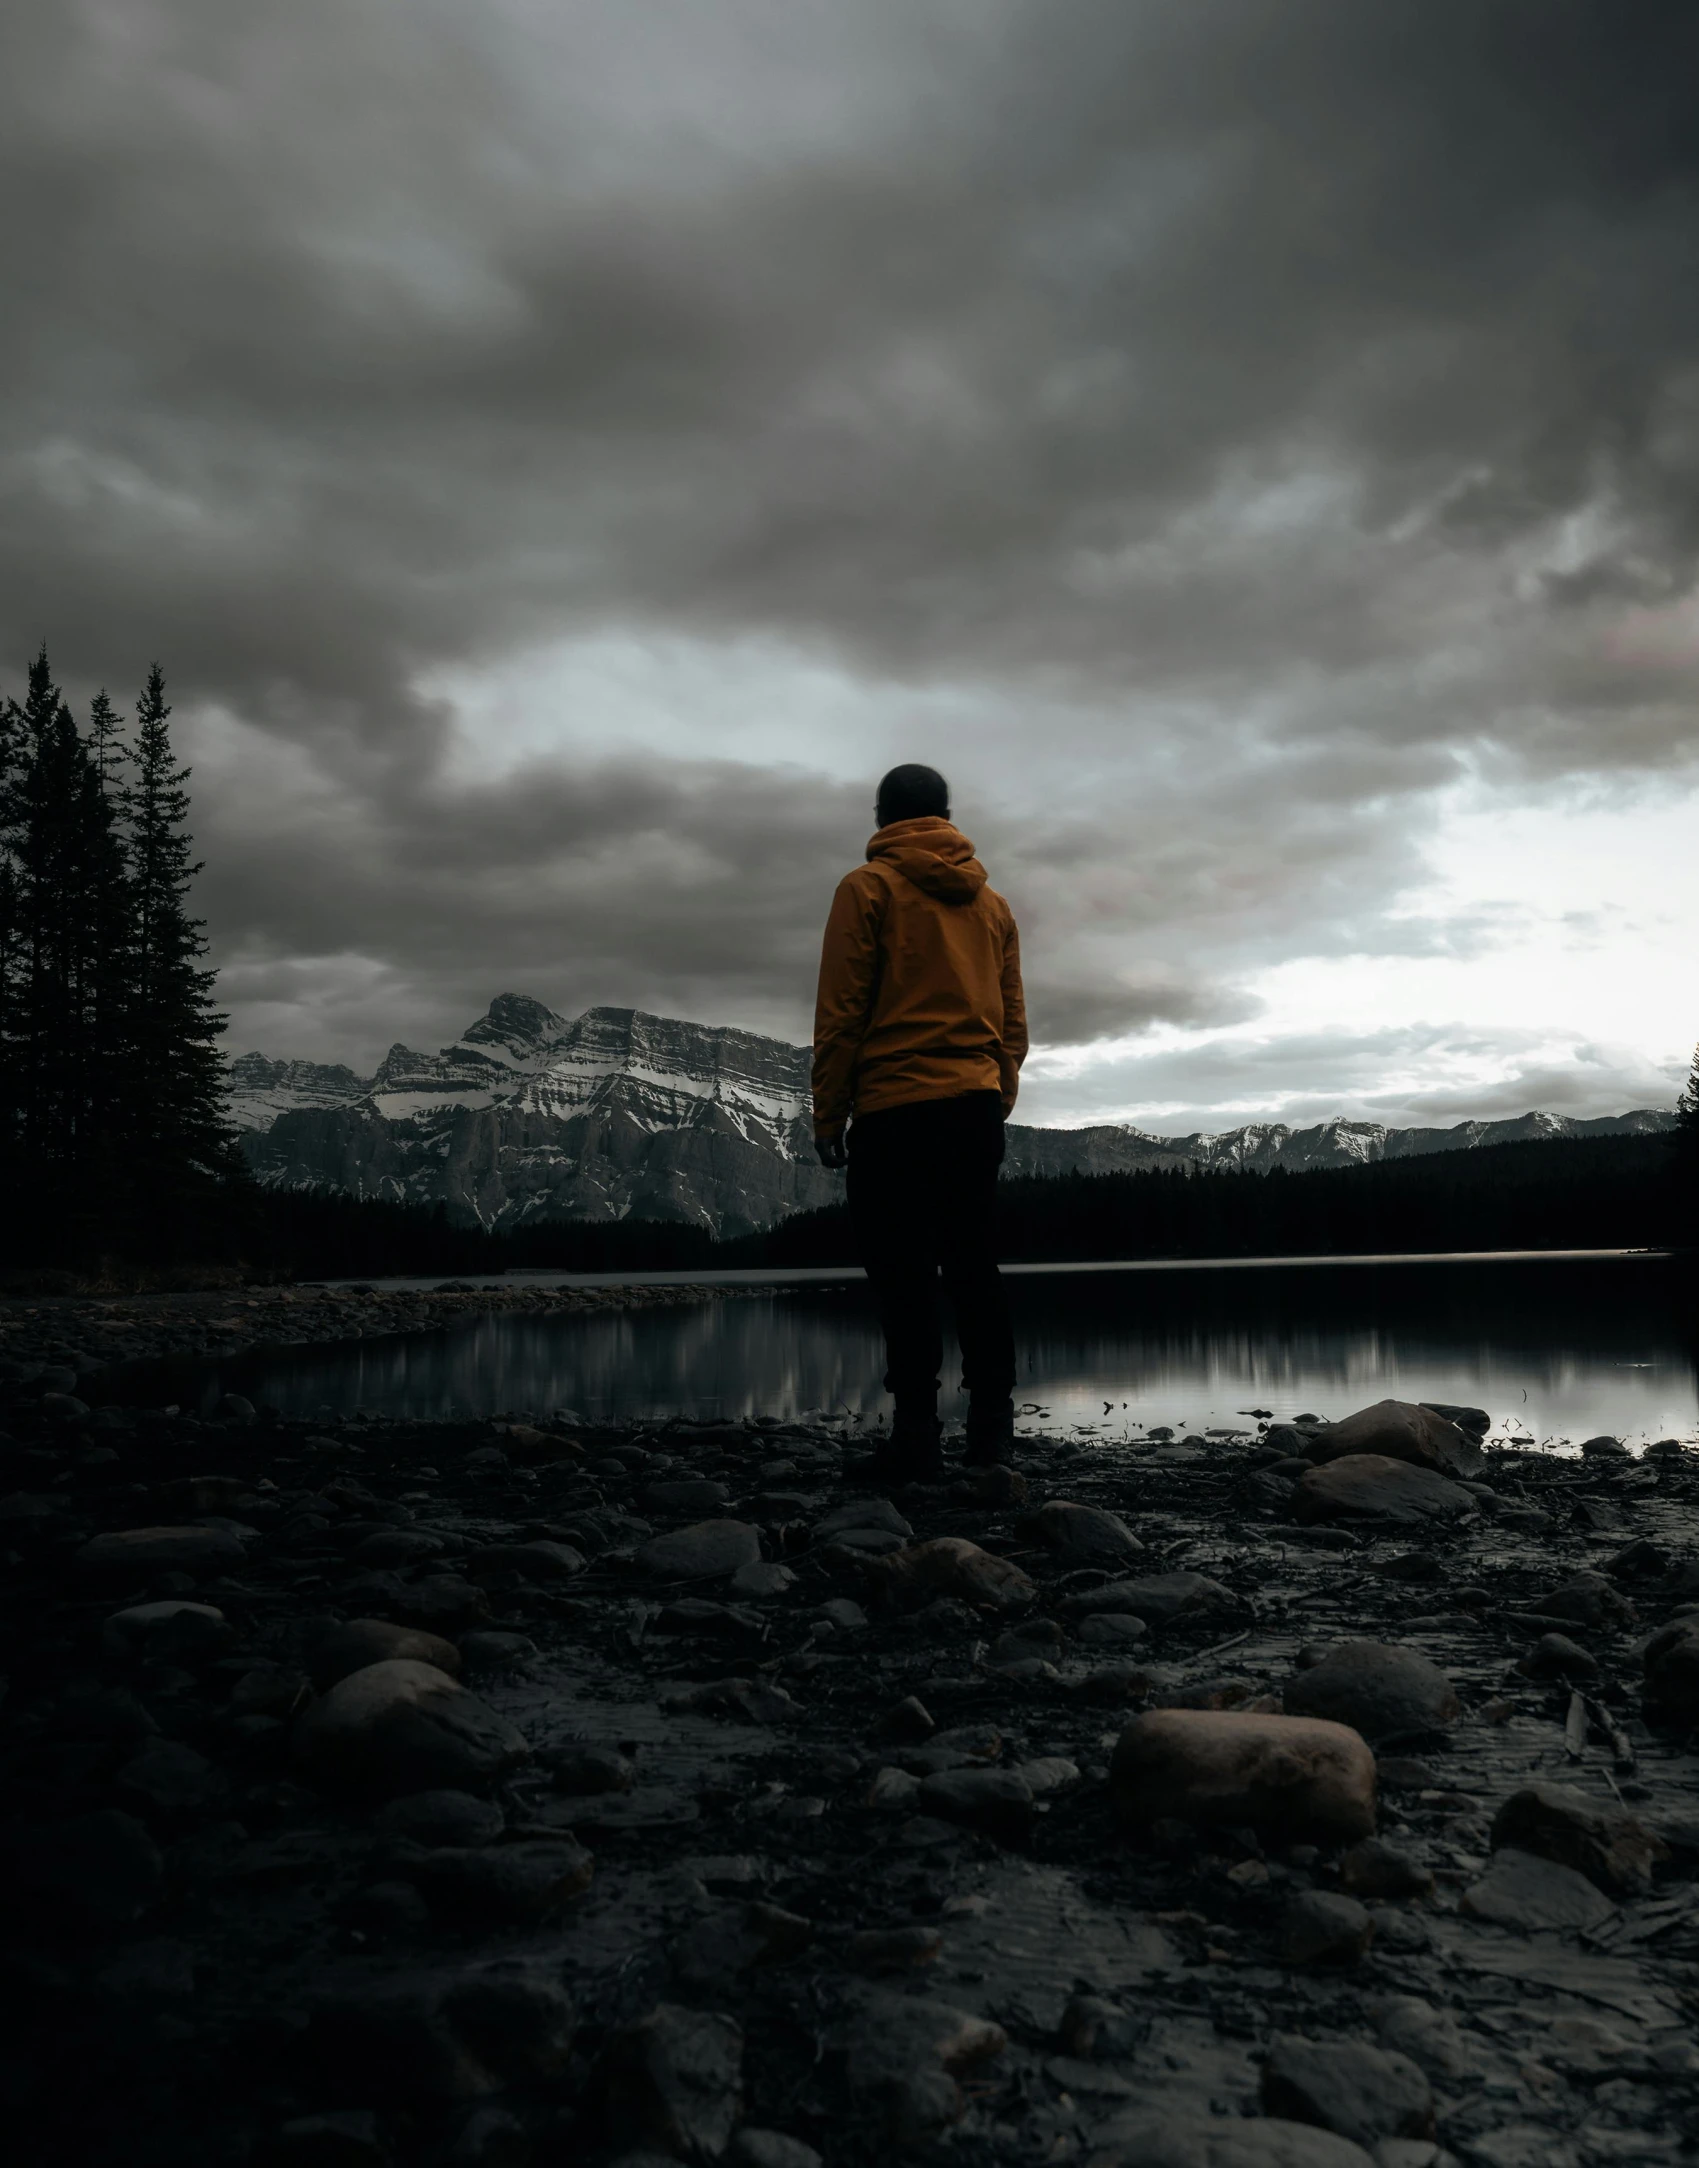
[1555, 1351]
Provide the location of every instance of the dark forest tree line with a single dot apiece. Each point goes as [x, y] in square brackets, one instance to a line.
[112, 1119]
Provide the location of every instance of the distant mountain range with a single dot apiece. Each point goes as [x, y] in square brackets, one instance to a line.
[615, 1115]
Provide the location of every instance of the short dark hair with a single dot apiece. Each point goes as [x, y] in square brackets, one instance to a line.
[912, 793]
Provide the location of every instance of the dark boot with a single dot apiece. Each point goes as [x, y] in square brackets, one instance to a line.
[913, 1453]
[990, 1433]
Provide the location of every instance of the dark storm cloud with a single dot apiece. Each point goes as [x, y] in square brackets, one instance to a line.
[1332, 368]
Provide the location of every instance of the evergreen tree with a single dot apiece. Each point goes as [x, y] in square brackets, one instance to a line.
[1687, 1138]
[176, 1074]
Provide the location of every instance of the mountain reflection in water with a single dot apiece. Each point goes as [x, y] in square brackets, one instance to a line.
[1551, 1350]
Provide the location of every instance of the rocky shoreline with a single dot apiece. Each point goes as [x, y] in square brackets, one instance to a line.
[90, 1335]
[491, 1793]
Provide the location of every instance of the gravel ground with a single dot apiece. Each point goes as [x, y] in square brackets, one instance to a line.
[760, 1844]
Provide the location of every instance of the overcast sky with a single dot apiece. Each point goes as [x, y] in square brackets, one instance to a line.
[562, 450]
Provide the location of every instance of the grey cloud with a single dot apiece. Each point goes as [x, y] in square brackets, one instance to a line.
[1297, 399]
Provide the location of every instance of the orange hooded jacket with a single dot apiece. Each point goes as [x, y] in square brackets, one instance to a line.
[920, 980]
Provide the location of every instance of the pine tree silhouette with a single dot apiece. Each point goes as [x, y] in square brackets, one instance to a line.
[181, 1136]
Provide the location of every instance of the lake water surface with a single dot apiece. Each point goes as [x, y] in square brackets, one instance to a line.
[1554, 1351]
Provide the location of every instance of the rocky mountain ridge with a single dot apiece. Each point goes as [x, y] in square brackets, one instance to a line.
[616, 1114]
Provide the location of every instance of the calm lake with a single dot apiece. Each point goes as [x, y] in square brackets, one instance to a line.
[1554, 1350]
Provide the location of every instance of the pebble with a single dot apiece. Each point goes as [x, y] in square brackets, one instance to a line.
[1079, 1531]
[706, 1551]
[173, 1632]
[770, 2149]
[138, 1554]
[440, 1818]
[904, 1724]
[583, 1772]
[1358, 2092]
[1112, 1630]
[1172, 2138]
[1533, 1895]
[1588, 1832]
[952, 1566]
[479, 1884]
[1555, 1656]
[403, 1726]
[997, 1801]
[1160, 1599]
[1376, 1868]
[1390, 1694]
[346, 2138]
[1320, 1928]
[1293, 1778]
[674, 2079]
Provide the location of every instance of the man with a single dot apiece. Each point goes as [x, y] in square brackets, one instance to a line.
[919, 1034]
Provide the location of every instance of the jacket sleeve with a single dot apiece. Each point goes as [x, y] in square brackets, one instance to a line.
[843, 1008]
[1013, 1049]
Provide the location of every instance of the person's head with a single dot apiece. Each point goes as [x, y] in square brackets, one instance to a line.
[912, 793]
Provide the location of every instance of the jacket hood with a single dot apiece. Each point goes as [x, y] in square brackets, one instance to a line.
[932, 854]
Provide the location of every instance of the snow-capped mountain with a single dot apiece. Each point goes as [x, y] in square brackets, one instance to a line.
[615, 1114]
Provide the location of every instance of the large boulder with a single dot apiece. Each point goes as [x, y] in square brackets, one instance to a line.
[1294, 1779]
[1372, 1487]
[137, 1554]
[1385, 1692]
[1398, 1430]
[1077, 1531]
[1583, 1830]
[402, 1726]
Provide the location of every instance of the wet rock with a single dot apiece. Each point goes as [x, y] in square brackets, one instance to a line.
[1299, 1779]
[904, 2053]
[892, 1787]
[1519, 1890]
[1473, 1422]
[492, 1651]
[137, 1554]
[586, 1772]
[1319, 1928]
[675, 2080]
[1371, 1487]
[504, 1883]
[1160, 1599]
[1428, 2036]
[707, 1551]
[1398, 1430]
[735, 1940]
[1386, 1692]
[439, 2037]
[173, 1632]
[1112, 1630]
[396, 1547]
[1604, 1449]
[441, 1603]
[94, 1873]
[876, 1513]
[62, 1408]
[893, 1949]
[401, 1726]
[1159, 2138]
[101, 1712]
[168, 1783]
[905, 1724]
[683, 1494]
[1049, 1775]
[435, 1819]
[1376, 1868]
[1583, 1830]
[770, 2149]
[1358, 2092]
[1077, 1531]
[347, 2138]
[761, 1579]
[749, 1701]
[1638, 1563]
[542, 1561]
[1588, 1599]
[1095, 2029]
[952, 1566]
[997, 1801]
[1671, 1666]
[1555, 1656]
[491, 2137]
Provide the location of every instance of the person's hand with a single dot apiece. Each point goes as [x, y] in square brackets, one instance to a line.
[832, 1152]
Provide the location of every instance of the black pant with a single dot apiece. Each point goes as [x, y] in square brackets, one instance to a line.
[923, 1197]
